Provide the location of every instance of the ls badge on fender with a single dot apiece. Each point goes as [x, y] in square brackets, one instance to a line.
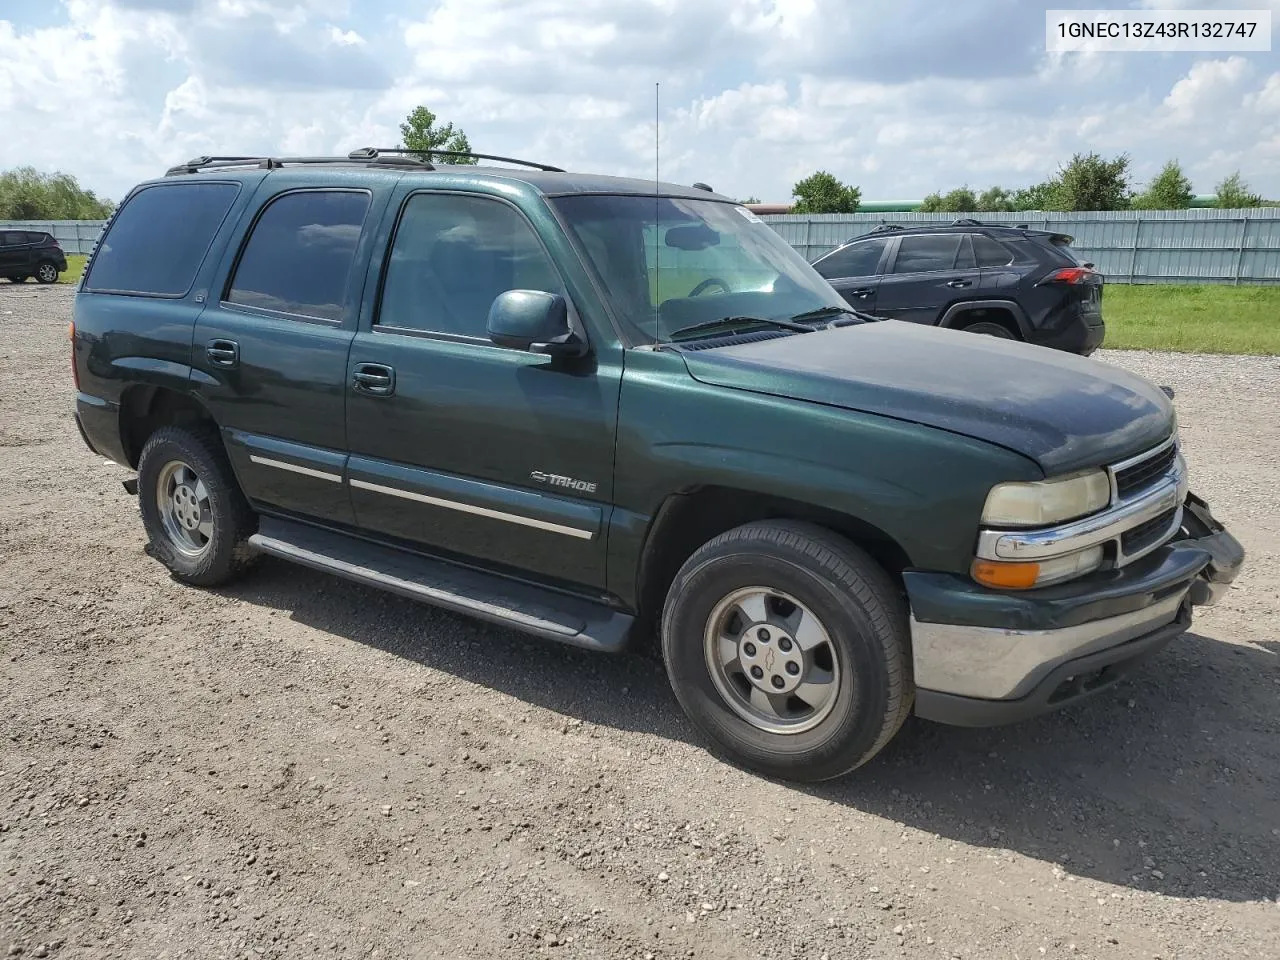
[556, 480]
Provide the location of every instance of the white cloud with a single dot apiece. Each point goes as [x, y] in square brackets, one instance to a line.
[1208, 85]
[345, 38]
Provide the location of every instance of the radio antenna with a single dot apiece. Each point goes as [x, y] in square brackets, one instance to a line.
[657, 240]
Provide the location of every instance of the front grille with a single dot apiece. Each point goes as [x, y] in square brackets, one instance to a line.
[1148, 534]
[1134, 478]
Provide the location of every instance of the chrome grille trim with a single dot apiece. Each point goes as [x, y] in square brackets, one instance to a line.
[1115, 469]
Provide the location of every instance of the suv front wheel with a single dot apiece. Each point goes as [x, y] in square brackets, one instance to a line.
[787, 646]
[197, 520]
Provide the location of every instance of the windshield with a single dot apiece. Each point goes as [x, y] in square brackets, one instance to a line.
[695, 260]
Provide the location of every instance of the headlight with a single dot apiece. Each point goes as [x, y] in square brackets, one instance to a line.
[1005, 575]
[1045, 502]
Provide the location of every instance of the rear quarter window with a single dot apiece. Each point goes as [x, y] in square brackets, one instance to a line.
[989, 253]
[157, 241]
[1064, 247]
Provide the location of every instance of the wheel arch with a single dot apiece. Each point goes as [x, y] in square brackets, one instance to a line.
[145, 408]
[688, 519]
[954, 316]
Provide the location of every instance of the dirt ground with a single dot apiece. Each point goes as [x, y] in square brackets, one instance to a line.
[297, 766]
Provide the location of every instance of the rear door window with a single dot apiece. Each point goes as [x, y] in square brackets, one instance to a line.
[856, 260]
[298, 258]
[922, 254]
[11, 238]
[156, 242]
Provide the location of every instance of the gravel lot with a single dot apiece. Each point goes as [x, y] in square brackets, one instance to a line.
[297, 766]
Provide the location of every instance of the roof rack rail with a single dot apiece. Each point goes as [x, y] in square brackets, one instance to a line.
[967, 222]
[375, 153]
[886, 227]
[202, 163]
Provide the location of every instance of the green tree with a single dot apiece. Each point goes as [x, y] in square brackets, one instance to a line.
[749, 200]
[964, 200]
[1170, 190]
[28, 194]
[995, 200]
[1088, 182]
[821, 192]
[932, 203]
[959, 200]
[1234, 194]
[420, 132]
[1038, 196]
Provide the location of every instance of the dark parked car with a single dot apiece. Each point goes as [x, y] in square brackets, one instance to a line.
[30, 253]
[597, 409]
[1009, 282]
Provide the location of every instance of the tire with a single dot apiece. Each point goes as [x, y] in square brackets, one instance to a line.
[857, 685]
[18, 279]
[46, 272]
[197, 519]
[991, 329]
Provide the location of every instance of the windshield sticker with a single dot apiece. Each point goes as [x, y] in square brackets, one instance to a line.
[748, 214]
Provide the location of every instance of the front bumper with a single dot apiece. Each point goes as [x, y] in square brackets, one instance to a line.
[984, 657]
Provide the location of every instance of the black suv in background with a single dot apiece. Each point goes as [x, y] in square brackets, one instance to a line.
[30, 253]
[1009, 282]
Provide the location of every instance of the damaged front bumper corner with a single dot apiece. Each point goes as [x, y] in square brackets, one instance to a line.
[984, 657]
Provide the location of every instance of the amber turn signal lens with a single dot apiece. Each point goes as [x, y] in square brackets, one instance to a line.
[1005, 576]
[71, 331]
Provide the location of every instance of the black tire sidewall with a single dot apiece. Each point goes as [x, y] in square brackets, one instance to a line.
[216, 563]
[987, 328]
[41, 266]
[846, 735]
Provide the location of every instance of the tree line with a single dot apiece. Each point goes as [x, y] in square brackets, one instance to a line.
[28, 194]
[1087, 182]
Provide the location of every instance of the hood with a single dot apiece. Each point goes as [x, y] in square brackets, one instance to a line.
[1064, 411]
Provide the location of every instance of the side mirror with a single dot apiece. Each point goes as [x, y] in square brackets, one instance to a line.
[535, 321]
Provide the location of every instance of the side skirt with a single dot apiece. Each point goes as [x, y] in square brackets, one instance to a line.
[544, 613]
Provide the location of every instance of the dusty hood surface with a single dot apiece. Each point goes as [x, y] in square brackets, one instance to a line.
[1063, 411]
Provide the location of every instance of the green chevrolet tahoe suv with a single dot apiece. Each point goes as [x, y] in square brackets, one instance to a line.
[608, 411]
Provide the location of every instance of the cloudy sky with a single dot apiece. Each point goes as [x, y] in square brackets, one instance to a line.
[901, 98]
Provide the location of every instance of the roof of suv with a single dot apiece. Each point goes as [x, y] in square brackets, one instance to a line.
[548, 180]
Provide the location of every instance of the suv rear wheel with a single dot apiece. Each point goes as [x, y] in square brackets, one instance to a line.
[991, 329]
[46, 272]
[196, 518]
[787, 646]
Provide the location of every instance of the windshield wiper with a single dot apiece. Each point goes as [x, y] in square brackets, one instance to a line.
[709, 325]
[821, 313]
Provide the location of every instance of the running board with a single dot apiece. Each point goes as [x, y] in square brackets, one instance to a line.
[511, 603]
